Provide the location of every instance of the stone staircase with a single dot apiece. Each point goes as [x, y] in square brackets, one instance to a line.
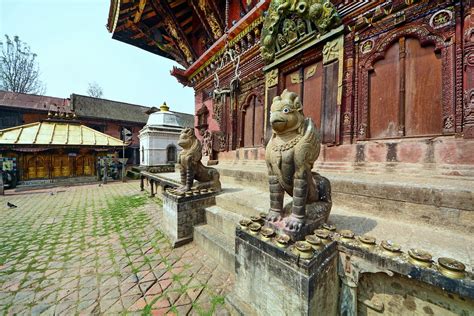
[434, 214]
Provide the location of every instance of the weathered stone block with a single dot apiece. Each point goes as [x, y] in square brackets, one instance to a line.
[181, 215]
[274, 281]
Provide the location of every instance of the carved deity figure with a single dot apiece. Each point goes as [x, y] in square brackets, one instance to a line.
[290, 155]
[191, 166]
[289, 31]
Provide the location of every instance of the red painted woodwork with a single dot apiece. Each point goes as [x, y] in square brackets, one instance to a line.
[423, 107]
[312, 91]
[293, 82]
[329, 124]
[253, 119]
[384, 87]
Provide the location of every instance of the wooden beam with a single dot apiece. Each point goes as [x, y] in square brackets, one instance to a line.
[165, 11]
[206, 20]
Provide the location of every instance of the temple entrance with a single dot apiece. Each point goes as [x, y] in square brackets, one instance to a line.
[37, 167]
[85, 165]
[252, 123]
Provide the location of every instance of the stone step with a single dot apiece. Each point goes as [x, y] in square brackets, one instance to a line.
[218, 245]
[438, 201]
[222, 220]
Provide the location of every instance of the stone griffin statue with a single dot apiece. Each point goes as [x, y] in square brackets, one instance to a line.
[191, 166]
[290, 155]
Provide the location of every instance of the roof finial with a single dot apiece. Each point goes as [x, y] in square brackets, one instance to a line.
[164, 108]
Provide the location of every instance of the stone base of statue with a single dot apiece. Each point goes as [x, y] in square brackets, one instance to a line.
[272, 280]
[182, 213]
[317, 214]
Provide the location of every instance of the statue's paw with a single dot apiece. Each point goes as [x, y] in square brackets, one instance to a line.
[273, 216]
[294, 224]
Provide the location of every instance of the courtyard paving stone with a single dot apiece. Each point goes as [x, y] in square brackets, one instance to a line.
[92, 250]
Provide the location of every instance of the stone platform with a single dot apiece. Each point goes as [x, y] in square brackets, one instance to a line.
[181, 214]
[275, 281]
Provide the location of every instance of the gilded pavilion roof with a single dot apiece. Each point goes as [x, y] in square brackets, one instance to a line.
[53, 133]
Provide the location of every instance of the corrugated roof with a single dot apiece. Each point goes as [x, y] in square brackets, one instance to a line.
[56, 133]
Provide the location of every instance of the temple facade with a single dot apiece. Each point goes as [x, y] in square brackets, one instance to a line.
[389, 83]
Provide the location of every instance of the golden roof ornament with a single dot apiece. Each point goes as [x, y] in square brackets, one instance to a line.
[164, 107]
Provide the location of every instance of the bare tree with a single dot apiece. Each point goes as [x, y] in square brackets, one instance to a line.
[94, 90]
[19, 69]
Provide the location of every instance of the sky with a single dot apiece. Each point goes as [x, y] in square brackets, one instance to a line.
[74, 48]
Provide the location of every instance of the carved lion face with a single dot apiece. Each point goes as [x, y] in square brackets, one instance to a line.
[286, 112]
[186, 138]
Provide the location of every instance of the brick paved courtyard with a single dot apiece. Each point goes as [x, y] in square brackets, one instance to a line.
[97, 250]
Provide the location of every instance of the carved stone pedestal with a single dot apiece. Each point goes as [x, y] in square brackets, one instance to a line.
[181, 214]
[275, 281]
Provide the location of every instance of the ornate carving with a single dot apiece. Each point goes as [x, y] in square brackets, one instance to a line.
[346, 119]
[290, 155]
[191, 167]
[296, 78]
[272, 78]
[441, 19]
[219, 141]
[290, 20]
[367, 46]
[207, 144]
[333, 49]
[211, 19]
[217, 108]
[311, 71]
[449, 122]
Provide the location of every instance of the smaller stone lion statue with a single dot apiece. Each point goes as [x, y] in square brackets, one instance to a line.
[191, 166]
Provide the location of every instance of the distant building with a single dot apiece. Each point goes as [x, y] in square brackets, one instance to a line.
[106, 116]
[159, 138]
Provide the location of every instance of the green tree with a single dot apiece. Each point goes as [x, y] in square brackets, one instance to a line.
[19, 69]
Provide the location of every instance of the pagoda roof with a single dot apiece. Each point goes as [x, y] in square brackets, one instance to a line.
[56, 133]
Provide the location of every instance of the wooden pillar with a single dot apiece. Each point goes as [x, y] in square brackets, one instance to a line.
[142, 183]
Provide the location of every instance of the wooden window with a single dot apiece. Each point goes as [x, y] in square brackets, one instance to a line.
[171, 154]
[405, 92]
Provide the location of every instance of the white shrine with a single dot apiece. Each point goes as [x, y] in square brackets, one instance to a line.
[159, 138]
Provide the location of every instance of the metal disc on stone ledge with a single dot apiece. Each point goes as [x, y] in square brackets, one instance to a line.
[267, 233]
[323, 234]
[304, 249]
[346, 234]
[244, 223]
[451, 268]
[282, 240]
[391, 248]
[314, 241]
[367, 242]
[254, 228]
[329, 227]
[255, 218]
[420, 257]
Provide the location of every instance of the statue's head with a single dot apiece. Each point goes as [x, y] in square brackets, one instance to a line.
[286, 112]
[187, 138]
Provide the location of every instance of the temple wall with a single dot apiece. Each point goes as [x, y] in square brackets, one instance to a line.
[387, 96]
